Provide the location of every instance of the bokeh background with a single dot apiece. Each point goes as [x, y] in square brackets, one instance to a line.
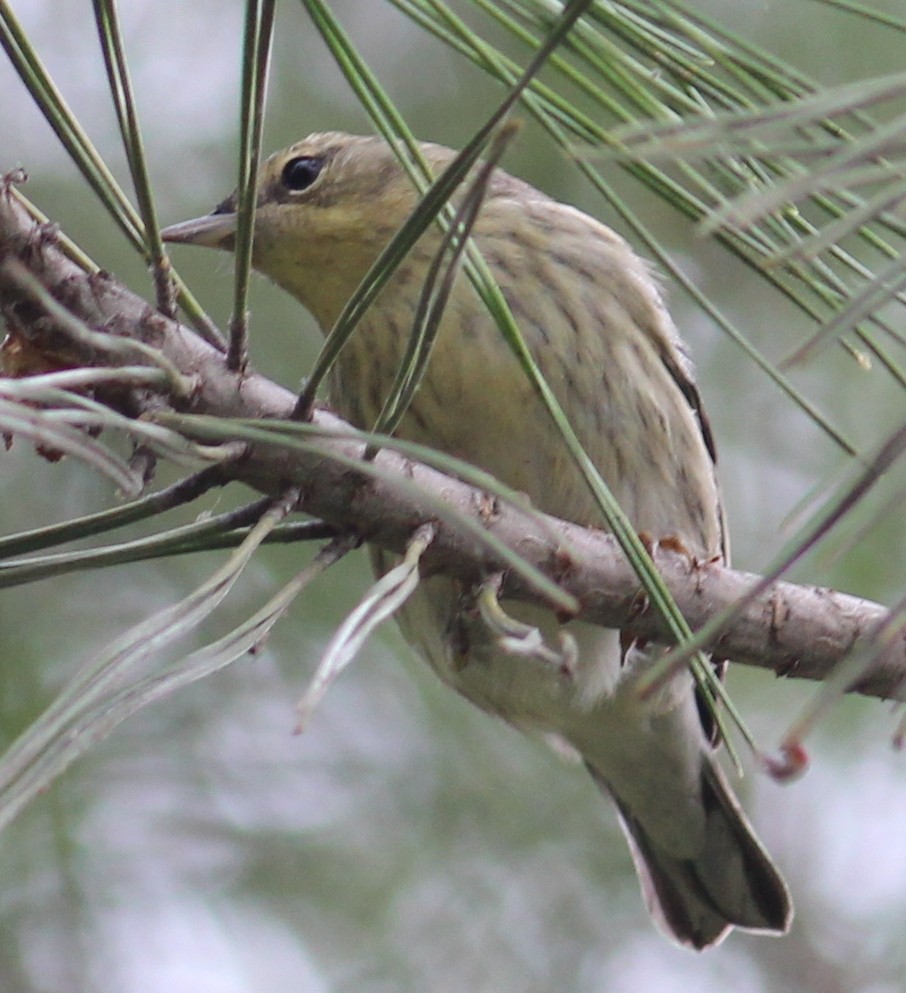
[406, 842]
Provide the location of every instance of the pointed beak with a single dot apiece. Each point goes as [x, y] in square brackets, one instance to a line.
[211, 231]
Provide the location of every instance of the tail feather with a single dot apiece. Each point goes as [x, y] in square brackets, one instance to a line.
[730, 883]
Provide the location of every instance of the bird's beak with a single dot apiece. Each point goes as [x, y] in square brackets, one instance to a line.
[212, 231]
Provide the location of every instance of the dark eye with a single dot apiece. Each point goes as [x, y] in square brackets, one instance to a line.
[300, 173]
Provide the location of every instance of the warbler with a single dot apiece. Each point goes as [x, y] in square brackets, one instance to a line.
[592, 315]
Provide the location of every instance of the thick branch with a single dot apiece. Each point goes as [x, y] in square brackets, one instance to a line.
[793, 630]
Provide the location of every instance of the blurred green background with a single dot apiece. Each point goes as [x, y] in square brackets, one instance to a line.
[406, 842]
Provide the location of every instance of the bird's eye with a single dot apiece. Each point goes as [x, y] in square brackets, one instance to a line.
[300, 173]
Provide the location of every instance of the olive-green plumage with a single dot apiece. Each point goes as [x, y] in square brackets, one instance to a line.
[594, 320]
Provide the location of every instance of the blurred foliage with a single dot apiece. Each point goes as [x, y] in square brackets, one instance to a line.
[405, 842]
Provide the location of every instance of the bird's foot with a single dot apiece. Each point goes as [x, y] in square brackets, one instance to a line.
[674, 543]
[515, 637]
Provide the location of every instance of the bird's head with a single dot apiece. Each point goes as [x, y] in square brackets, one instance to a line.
[326, 206]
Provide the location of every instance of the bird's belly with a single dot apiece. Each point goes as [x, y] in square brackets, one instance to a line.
[593, 712]
[532, 692]
[476, 403]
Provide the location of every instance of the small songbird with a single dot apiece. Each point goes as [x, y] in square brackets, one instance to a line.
[592, 316]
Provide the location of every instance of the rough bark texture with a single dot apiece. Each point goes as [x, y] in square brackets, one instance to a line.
[794, 630]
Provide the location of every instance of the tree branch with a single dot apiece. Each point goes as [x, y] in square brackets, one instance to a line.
[794, 630]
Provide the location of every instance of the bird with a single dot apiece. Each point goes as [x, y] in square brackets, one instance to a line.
[593, 317]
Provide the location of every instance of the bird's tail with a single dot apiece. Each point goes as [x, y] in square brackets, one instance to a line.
[730, 882]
